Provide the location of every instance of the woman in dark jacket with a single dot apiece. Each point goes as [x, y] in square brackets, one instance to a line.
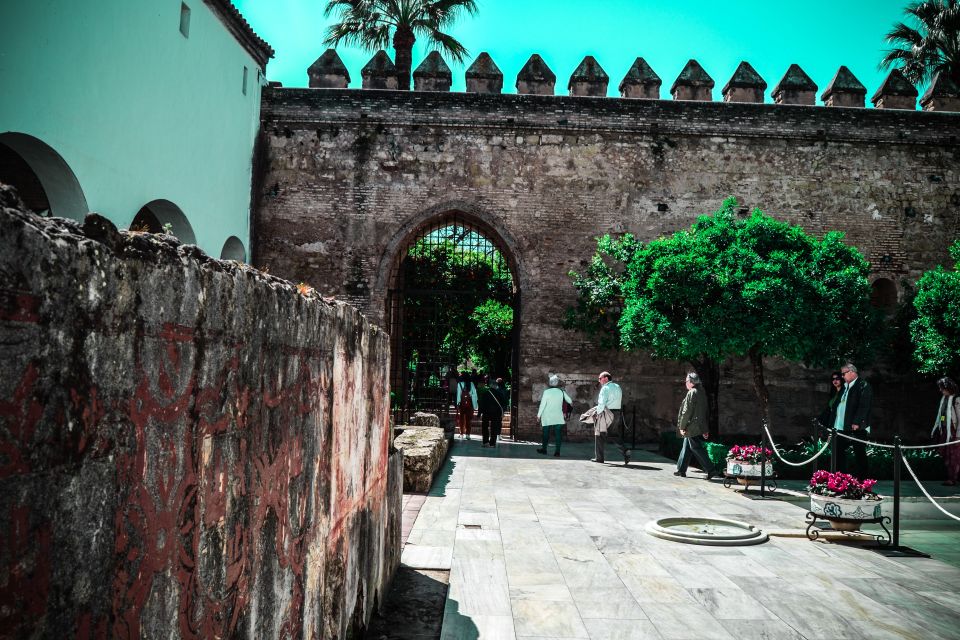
[828, 415]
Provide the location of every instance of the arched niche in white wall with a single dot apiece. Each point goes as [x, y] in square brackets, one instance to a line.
[42, 177]
[156, 214]
[233, 249]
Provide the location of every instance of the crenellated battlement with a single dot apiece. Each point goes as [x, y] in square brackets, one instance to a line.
[642, 83]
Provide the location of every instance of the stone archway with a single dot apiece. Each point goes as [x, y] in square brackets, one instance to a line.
[452, 274]
[44, 180]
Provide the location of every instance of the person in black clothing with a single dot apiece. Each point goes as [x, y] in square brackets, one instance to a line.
[493, 403]
[828, 414]
[851, 415]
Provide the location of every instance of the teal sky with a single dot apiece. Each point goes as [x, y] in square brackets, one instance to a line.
[819, 35]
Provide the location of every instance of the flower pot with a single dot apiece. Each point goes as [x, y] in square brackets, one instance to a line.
[843, 513]
[747, 470]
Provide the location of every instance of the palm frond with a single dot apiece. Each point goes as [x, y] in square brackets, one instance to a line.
[448, 44]
[931, 45]
[367, 23]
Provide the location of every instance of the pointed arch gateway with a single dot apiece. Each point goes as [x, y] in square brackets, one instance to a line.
[453, 299]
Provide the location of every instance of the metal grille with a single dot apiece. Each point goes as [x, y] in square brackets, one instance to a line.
[445, 272]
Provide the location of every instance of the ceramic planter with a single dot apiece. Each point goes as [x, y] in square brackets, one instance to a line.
[844, 513]
[747, 470]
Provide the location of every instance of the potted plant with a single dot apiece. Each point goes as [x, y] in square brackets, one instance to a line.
[843, 500]
[743, 463]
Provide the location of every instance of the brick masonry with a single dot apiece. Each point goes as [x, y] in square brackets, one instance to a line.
[349, 174]
[188, 448]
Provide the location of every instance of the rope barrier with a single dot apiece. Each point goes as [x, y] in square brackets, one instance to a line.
[924, 490]
[890, 446]
[874, 444]
[931, 446]
[794, 464]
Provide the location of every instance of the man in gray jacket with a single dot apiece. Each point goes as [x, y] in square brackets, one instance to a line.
[692, 423]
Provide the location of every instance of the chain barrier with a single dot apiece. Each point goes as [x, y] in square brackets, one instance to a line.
[794, 464]
[924, 490]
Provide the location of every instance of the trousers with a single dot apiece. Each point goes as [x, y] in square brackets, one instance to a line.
[694, 447]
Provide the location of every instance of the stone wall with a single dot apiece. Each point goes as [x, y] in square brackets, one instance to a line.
[188, 448]
[350, 174]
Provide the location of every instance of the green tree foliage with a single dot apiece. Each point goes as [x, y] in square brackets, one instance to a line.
[726, 287]
[369, 24]
[936, 330]
[928, 43]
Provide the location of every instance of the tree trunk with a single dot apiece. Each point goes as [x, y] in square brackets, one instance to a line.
[709, 372]
[403, 40]
[759, 386]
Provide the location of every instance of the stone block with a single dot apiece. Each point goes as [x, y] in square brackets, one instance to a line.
[424, 451]
[423, 419]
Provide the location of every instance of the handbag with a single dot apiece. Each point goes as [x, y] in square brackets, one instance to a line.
[566, 407]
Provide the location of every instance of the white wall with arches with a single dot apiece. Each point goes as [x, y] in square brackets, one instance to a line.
[130, 109]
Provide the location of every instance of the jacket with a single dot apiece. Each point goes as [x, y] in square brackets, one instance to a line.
[551, 406]
[693, 413]
[493, 402]
[859, 405]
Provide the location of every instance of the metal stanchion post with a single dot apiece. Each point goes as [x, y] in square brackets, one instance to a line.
[633, 423]
[763, 463]
[896, 491]
[833, 449]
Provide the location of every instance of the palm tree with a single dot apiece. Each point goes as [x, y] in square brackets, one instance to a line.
[932, 47]
[368, 23]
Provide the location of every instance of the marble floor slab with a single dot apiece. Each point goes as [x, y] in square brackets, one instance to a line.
[557, 548]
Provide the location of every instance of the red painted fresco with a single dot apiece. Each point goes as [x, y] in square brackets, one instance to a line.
[24, 593]
[224, 471]
[19, 306]
[20, 415]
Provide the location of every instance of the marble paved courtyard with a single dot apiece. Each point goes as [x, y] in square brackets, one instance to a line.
[545, 547]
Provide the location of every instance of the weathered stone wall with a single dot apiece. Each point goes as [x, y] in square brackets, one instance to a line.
[351, 173]
[188, 448]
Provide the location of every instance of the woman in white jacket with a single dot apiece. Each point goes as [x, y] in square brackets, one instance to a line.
[550, 414]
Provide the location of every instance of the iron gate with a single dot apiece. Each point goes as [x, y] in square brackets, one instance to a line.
[447, 269]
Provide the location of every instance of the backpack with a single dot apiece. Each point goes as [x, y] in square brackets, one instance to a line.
[466, 402]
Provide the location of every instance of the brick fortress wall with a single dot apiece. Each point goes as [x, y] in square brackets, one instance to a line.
[349, 173]
[188, 448]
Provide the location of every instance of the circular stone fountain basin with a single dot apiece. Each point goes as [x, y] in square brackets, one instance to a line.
[706, 531]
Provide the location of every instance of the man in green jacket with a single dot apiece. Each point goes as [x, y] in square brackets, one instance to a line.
[692, 423]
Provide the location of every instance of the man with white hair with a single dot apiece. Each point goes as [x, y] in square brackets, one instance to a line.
[611, 397]
[692, 424]
[853, 417]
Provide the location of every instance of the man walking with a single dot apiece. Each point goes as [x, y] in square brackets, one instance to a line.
[853, 417]
[692, 423]
[611, 397]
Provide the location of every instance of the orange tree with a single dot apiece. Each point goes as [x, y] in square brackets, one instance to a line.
[729, 287]
[936, 329]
